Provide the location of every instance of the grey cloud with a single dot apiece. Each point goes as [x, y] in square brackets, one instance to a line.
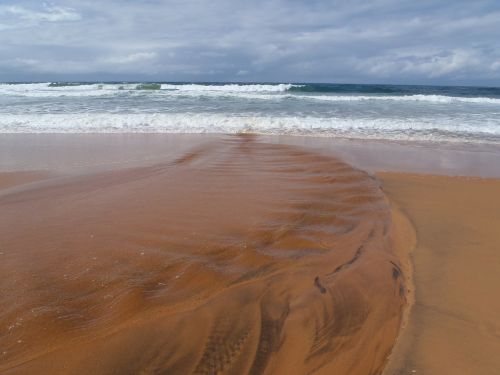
[47, 13]
[274, 40]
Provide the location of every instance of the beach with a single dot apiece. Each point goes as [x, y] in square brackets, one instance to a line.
[249, 187]
[162, 253]
[454, 326]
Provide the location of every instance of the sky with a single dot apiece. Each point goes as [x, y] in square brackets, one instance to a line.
[379, 41]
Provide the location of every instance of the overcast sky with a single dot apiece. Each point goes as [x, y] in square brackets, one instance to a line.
[379, 41]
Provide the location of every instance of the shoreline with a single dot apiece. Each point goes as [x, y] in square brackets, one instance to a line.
[199, 152]
[405, 247]
[435, 142]
[89, 151]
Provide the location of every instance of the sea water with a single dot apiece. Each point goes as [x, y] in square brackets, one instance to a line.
[392, 112]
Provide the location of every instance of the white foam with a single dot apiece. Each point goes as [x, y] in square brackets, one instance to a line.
[41, 90]
[412, 98]
[432, 99]
[379, 128]
[45, 90]
[229, 88]
[244, 91]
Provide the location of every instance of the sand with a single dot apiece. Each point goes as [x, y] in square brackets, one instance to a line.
[11, 179]
[454, 327]
[240, 254]
[235, 257]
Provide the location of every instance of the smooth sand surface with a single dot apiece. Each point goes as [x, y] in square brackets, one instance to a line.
[454, 326]
[11, 179]
[76, 153]
[235, 257]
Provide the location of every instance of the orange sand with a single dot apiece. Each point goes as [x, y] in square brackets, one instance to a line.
[231, 256]
[237, 257]
[454, 326]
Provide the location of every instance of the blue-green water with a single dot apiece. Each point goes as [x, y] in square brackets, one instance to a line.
[422, 113]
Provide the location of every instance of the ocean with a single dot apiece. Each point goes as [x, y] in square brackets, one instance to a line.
[386, 112]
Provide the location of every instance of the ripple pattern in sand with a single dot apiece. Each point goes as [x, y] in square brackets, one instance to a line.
[238, 257]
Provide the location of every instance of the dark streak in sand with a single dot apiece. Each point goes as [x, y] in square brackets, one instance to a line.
[317, 283]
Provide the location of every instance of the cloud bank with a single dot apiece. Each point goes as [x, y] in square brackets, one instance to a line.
[448, 42]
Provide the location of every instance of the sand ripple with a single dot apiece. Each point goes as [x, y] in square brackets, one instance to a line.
[237, 257]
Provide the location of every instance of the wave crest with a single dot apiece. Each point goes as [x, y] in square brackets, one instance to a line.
[380, 128]
[59, 89]
[274, 92]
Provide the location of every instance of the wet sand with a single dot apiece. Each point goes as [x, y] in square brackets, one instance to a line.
[243, 254]
[78, 153]
[10, 179]
[235, 257]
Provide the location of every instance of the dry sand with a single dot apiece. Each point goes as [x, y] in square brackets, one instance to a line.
[235, 255]
[454, 326]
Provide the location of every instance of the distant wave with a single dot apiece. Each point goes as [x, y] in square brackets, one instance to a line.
[282, 87]
[100, 89]
[41, 90]
[408, 90]
[244, 91]
[381, 128]
[416, 98]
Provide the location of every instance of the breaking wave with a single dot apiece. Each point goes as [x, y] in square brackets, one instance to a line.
[245, 91]
[396, 129]
[462, 114]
